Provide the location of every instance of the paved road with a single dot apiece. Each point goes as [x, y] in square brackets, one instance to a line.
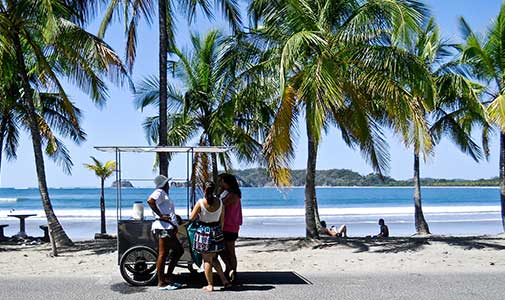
[275, 285]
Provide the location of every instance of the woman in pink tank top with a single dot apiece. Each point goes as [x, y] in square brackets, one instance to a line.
[231, 198]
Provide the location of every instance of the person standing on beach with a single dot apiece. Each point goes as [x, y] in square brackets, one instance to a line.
[231, 197]
[165, 230]
[209, 234]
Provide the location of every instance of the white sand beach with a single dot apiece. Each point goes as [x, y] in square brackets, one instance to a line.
[346, 256]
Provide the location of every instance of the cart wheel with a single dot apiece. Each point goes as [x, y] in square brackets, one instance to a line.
[138, 266]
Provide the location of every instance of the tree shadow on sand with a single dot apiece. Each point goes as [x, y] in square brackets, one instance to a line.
[385, 245]
[95, 247]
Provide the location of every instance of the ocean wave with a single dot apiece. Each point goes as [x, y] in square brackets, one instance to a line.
[8, 199]
[373, 211]
[284, 212]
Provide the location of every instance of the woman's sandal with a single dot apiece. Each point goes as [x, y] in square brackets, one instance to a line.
[231, 275]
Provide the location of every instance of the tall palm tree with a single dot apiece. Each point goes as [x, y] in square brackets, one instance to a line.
[457, 109]
[214, 105]
[103, 171]
[45, 45]
[485, 55]
[133, 12]
[338, 67]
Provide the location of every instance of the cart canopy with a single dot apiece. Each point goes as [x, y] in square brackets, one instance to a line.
[166, 149]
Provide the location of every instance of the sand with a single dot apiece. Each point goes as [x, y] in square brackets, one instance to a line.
[350, 256]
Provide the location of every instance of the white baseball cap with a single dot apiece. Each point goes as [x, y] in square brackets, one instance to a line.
[160, 181]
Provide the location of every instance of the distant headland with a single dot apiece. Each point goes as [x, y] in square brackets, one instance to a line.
[124, 183]
[258, 177]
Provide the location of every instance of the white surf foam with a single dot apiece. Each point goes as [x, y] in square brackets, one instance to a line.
[282, 212]
[8, 199]
[347, 211]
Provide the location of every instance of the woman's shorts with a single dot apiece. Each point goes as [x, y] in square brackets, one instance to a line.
[230, 236]
[163, 233]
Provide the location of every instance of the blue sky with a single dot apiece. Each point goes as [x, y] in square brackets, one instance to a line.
[120, 124]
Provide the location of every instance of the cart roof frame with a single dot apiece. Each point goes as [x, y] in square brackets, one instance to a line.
[189, 151]
[163, 149]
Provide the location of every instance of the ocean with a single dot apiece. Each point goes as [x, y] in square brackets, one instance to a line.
[270, 212]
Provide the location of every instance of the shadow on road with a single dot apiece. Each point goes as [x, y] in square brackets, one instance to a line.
[126, 289]
[247, 281]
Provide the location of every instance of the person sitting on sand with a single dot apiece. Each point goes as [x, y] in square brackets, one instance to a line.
[384, 229]
[332, 231]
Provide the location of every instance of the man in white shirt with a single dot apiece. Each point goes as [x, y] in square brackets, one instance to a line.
[165, 230]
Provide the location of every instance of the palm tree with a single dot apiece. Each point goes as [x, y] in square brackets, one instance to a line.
[457, 109]
[54, 119]
[338, 67]
[484, 55]
[133, 12]
[103, 171]
[214, 106]
[44, 44]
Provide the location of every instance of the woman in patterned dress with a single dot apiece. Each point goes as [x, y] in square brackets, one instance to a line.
[209, 234]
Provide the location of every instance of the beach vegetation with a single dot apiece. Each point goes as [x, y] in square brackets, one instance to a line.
[339, 67]
[102, 171]
[485, 54]
[260, 177]
[213, 106]
[457, 110]
[41, 42]
[132, 12]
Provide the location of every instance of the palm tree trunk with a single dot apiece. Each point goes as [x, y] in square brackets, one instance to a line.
[194, 167]
[213, 157]
[163, 129]
[421, 225]
[215, 171]
[502, 178]
[310, 188]
[55, 228]
[3, 125]
[103, 229]
[317, 219]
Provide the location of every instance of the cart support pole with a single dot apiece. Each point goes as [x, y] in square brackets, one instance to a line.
[117, 186]
[187, 183]
[120, 186]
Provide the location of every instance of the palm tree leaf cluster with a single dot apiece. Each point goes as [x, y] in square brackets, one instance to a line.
[215, 105]
[484, 55]
[42, 43]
